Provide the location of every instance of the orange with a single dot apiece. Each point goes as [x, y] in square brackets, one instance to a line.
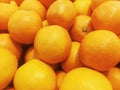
[61, 12]
[60, 75]
[85, 79]
[7, 42]
[83, 6]
[73, 60]
[96, 3]
[4, 1]
[6, 10]
[100, 50]
[47, 3]
[34, 5]
[80, 27]
[23, 26]
[114, 77]
[52, 44]
[8, 67]
[106, 16]
[35, 75]
[30, 54]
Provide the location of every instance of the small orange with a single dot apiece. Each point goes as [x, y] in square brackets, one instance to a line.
[85, 79]
[100, 50]
[61, 12]
[8, 67]
[80, 27]
[60, 75]
[7, 42]
[23, 26]
[73, 60]
[106, 16]
[34, 5]
[52, 44]
[6, 10]
[114, 76]
[35, 75]
[47, 3]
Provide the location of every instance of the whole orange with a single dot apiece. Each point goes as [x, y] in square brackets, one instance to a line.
[106, 16]
[8, 67]
[61, 12]
[23, 26]
[100, 50]
[35, 75]
[52, 44]
[85, 79]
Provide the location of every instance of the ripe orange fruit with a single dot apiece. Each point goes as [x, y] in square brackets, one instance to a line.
[61, 12]
[80, 27]
[47, 3]
[60, 75]
[7, 42]
[52, 44]
[34, 5]
[114, 76]
[83, 6]
[96, 3]
[85, 79]
[106, 16]
[100, 50]
[35, 75]
[73, 60]
[24, 23]
[8, 67]
[6, 10]
[4, 1]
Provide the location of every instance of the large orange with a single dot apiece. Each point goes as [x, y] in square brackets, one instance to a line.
[100, 50]
[52, 44]
[61, 12]
[7, 42]
[73, 60]
[85, 79]
[81, 27]
[34, 5]
[23, 26]
[106, 16]
[47, 3]
[35, 75]
[6, 10]
[8, 67]
[114, 76]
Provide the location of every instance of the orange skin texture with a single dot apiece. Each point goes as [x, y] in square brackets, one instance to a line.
[106, 16]
[7, 42]
[28, 24]
[99, 52]
[114, 76]
[52, 44]
[81, 27]
[64, 17]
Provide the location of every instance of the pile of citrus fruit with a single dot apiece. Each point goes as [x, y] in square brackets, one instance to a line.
[59, 44]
